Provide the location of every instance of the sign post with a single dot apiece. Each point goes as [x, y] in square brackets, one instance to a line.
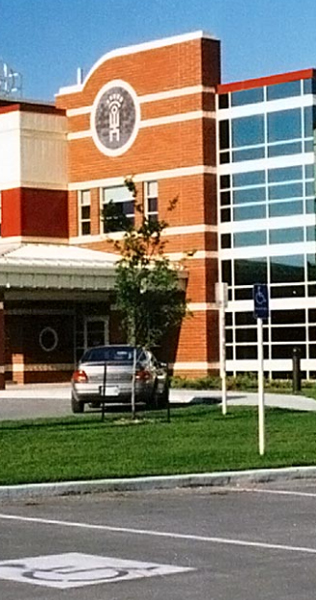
[261, 311]
[221, 295]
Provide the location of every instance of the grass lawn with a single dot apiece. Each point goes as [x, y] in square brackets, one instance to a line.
[198, 439]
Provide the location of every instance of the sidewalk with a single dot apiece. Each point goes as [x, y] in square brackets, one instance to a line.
[61, 391]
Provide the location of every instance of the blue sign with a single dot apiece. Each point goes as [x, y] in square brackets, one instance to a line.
[261, 300]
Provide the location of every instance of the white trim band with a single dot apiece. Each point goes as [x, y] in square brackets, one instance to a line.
[156, 97]
[149, 176]
[155, 122]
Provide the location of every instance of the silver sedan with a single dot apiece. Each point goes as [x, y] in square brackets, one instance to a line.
[106, 374]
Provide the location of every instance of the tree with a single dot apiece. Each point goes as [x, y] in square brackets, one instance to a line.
[147, 287]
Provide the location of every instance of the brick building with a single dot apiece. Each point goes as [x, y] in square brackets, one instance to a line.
[238, 157]
[146, 111]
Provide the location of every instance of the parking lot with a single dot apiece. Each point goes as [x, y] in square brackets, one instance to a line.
[219, 543]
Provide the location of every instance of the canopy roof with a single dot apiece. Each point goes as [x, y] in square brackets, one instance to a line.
[55, 266]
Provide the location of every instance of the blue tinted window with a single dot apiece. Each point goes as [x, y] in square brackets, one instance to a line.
[249, 195]
[247, 97]
[286, 236]
[287, 268]
[250, 238]
[248, 178]
[309, 146]
[284, 125]
[288, 190]
[247, 131]
[285, 174]
[309, 121]
[311, 234]
[251, 154]
[309, 86]
[244, 213]
[311, 206]
[284, 90]
[285, 149]
[309, 171]
[310, 188]
[285, 209]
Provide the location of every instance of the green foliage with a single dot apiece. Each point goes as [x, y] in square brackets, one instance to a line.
[147, 284]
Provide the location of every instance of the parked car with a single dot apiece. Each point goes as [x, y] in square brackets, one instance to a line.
[105, 374]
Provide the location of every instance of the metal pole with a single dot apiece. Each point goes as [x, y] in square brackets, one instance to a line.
[260, 388]
[223, 358]
[133, 402]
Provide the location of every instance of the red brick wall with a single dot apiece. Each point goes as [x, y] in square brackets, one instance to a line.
[181, 144]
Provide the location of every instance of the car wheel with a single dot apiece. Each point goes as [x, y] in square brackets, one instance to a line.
[76, 405]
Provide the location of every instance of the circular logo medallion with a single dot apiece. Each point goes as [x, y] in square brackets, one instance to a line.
[115, 118]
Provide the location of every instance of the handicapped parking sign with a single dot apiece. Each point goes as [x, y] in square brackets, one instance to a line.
[261, 300]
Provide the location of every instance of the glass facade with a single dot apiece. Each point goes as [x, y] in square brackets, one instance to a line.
[267, 222]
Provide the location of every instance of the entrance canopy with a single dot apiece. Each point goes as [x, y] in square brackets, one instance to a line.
[55, 266]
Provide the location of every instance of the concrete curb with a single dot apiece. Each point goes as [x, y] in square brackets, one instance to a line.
[138, 484]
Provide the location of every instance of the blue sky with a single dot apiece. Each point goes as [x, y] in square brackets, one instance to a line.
[47, 40]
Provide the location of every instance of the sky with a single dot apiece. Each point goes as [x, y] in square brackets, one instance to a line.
[48, 40]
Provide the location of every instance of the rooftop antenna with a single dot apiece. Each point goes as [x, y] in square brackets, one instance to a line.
[10, 81]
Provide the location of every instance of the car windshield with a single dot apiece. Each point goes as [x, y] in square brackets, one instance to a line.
[110, 354]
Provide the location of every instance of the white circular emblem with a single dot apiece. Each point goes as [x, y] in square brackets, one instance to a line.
[48, 339]
[115, 118]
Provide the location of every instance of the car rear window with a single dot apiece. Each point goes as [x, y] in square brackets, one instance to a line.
[108, 354]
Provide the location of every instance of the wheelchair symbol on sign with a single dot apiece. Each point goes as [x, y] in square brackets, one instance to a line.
[261, 301]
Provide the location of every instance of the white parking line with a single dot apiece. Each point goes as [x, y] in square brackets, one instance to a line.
[277, 492]
[165, 534]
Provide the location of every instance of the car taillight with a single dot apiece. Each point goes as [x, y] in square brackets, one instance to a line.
[143, 375]
[80, 376]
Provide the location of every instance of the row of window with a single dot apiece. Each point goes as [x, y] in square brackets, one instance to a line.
[254, 195]
[274, 134]
[271, 92]
[124, 202]
[275, 352]
[282, 269]
[277, 175]
[289, 235]
[263, 211]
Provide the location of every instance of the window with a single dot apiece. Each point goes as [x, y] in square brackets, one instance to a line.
[151, 200]
[84, 212]
[248, 178]
[249, 238]
[248, 131]
[284, 125]
[247, 97]
[285, 174]
[123, 200]
[224, 135]
[285, 190]
[246, 213]
[223, 101]
[249, 195]
[284, 90]
[285, 269]
[250, 271]
[286, 236]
